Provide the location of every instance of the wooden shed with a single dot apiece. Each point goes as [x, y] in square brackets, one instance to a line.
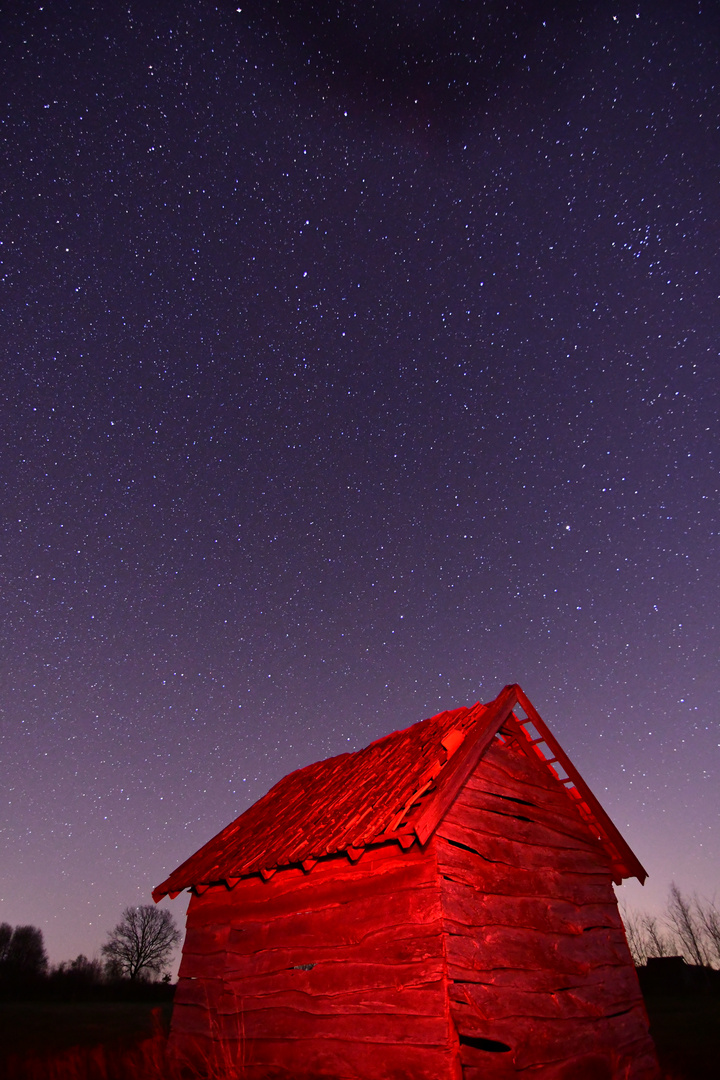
[438, 905]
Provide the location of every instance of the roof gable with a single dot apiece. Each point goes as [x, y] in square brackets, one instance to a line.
[396, 789]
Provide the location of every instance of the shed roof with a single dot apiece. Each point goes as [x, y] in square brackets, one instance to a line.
[396, 789]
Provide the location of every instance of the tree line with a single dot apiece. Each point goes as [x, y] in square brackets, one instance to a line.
[138, 950]
[689, 927]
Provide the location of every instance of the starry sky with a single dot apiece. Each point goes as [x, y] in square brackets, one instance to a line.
[357, 360]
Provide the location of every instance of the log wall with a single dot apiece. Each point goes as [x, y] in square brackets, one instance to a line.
[337, 973]
[541, 981]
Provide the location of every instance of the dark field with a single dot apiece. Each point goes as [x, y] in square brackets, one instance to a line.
[51, 1026]
[48, 1040]
[686, 1030]
[125, 1040]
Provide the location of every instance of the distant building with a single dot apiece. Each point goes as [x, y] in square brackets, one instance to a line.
[673, 975]
[438, 905]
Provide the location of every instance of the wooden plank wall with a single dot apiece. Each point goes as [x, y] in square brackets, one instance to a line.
[537, 956]
[336, 973]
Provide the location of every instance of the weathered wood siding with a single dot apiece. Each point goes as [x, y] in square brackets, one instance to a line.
[537, 956]
[336, 973]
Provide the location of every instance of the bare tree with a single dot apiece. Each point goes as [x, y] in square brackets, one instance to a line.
[685, 922]
[142, 943]
[634, 932]
[709, 916]
[644, 935]
[659, 944]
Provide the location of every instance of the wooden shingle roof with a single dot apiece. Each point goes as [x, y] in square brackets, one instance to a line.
[396, 789]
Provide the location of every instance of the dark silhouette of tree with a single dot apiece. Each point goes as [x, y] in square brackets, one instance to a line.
[142, 943]
[79, 972]
[709, 915]
[6, 932]
[22, 952]
[695, 924]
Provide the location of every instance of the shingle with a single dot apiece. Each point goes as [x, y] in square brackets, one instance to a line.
[324, 808]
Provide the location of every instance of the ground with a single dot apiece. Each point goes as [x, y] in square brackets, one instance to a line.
[686, 1030]
[39, 1039]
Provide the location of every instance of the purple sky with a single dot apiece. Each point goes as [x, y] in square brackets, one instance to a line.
[356, 362]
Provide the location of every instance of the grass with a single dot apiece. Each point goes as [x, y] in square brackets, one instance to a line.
[127, 1040]
[49, 1027]
[84, 1041]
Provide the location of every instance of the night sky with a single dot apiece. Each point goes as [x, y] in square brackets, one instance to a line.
[357, 360]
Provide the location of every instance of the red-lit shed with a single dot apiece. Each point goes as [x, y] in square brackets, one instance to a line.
[437, 905]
